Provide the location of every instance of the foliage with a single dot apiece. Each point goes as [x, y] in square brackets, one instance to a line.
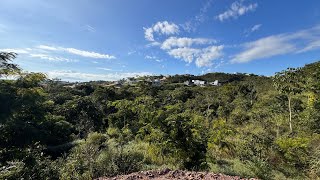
[6, 67]
[251, 126]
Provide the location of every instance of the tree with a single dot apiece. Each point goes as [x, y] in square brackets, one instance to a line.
[249, 91]
[26, 114]
[288, 82]
[6, 67]
[210, 100]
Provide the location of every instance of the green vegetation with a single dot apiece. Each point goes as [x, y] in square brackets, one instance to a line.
[251, 126]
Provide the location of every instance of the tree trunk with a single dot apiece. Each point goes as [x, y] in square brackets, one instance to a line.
[208, 108]
[290, 114]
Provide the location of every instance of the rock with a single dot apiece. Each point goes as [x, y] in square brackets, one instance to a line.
[165, 171]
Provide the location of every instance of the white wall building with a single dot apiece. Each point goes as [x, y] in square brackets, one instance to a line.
[199, 82]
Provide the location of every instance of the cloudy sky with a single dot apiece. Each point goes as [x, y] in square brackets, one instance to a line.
[81, 40]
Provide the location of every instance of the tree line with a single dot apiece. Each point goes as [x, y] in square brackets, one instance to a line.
[252, 126]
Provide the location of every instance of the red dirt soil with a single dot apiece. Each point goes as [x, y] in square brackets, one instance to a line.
[177, 174]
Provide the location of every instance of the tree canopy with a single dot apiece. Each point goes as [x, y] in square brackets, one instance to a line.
[251, 126]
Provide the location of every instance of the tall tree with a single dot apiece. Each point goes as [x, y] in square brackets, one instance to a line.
[287, 82]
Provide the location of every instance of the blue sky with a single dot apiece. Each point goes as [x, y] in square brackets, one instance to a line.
[82, 40]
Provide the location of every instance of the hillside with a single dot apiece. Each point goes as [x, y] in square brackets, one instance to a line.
[249, 126]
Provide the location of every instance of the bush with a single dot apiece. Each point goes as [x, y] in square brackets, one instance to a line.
[32, 164]
[232, 167]
[315, 165]
[99, 156]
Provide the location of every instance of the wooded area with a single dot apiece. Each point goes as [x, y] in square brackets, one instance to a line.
[252, 126]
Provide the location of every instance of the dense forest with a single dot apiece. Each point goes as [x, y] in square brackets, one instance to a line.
[251, 126]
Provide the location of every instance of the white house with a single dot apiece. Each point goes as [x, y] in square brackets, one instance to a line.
[199, 82]
[215, 83]
[131, 81]
[164, 78]
[188, 83]
[156, 82]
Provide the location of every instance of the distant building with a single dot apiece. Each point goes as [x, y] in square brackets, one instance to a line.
[117, 84]
[156, 82]
[70, 86]
[164, 78]
[188, 83]
[215, 83]
[131, 81]
[199, 82]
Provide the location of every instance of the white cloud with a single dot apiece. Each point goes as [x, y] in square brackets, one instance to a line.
[88, 54]
[190, 25]
[131, 52]
[18, 51]
[166, 28]
[256, 27]
[298, 42]
[312, 46]
[90, 28]
[198, 50]
[50, 48]
[237, 9]
[148, 34]
[263, 48]
[198, 19]
[150, 57]
[155, 58]
[208, 55]
[105, 69]
[204, 9]
[79, 76]
[161, 28]
[52, 58]
[185, 53]
[34, 53]
[203, 57]
[252, 29]
[78, 52]
[184, 42]
[154, 43]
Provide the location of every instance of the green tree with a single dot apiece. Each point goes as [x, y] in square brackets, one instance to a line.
[288, 82]
[6, 67]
